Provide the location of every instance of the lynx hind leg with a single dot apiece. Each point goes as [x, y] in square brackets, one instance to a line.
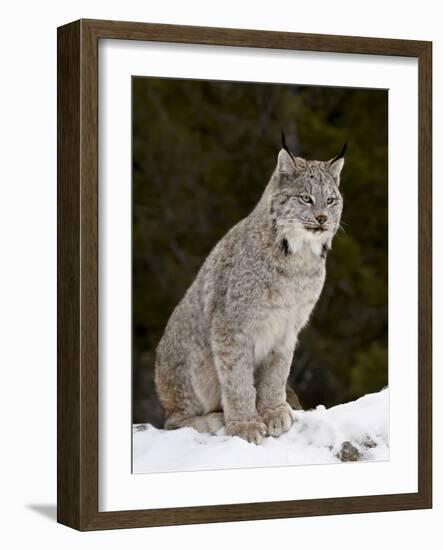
[206, 423]
[181, 404]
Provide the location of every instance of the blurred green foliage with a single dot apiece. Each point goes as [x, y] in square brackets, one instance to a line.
[203, 152]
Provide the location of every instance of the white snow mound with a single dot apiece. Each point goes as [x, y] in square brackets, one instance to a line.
[354, 431]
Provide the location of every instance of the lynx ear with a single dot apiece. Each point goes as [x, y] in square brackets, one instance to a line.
[335, 165]
[286, 162]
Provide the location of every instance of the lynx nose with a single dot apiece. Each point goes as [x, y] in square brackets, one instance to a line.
[322, 218]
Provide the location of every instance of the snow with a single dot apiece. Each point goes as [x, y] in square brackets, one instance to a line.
[353, 431]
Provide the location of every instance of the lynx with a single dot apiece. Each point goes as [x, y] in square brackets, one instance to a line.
[226, 352]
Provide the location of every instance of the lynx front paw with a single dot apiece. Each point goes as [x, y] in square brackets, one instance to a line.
[277, 420]
[253, 431]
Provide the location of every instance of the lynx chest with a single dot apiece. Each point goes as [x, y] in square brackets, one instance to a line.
[286, 307]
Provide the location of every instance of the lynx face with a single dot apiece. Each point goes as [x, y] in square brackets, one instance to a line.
[307, 201]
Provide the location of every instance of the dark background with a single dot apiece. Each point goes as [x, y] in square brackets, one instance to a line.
[202, 154]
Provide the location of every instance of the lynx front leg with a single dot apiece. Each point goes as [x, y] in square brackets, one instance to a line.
[234, 364]
[271, 379]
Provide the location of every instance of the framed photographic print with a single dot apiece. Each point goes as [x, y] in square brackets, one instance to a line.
[244, 275]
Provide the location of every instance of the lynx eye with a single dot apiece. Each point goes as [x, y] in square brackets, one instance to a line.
[306, 198]
[330, 200]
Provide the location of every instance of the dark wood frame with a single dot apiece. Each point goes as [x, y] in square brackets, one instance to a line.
[77, 457]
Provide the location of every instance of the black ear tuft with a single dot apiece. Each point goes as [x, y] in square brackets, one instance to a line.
[283, 144]
[341, 154]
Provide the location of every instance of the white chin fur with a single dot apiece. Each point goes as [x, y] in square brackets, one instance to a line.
[299, 238]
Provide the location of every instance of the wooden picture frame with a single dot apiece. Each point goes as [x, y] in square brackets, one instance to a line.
[77, 458]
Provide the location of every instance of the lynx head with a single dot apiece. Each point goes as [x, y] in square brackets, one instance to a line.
[306, 202]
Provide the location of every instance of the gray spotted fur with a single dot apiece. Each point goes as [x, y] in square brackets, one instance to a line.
[225, 355]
